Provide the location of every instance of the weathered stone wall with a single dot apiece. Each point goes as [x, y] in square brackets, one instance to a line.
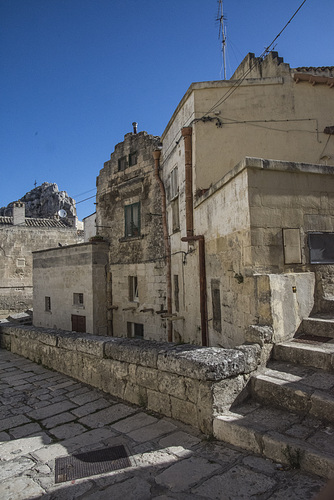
[59, 273]
[16, 247]
[188, 383]
[141, 255]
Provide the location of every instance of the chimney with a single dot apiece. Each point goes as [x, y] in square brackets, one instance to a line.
[135, 125]
[19, 213]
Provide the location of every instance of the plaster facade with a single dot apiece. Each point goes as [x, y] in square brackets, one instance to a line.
[254, 217]
[70, 288]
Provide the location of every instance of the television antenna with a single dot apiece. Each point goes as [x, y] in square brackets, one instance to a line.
[222, 32]
[62, 213]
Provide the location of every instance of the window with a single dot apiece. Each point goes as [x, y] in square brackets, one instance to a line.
[174, 183]
[321, 247]
[78, 299]
[133, 159]
[176, 293]
[122, 164]
[216, 309]
[175, 215]
[133, 289]
[135, 330]
[20, 262]
[132, 220]
[48, 304]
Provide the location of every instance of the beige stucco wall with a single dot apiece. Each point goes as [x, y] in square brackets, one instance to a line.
[61, 272]
[18, 243]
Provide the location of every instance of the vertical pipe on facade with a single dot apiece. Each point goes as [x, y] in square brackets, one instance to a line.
[187, 135]
[156, 156]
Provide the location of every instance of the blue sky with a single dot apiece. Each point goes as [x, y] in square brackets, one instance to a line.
[75, 74]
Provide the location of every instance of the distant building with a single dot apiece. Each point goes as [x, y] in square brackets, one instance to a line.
[19, 237]
[89, 226]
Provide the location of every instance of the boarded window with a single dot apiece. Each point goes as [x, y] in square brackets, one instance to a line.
[78, 323]
[132, 159]
[78, 299]
[133, 289]
[174, 183]
[132, 220]
[135, 330]
[48, 303]
[216, 307]
[176, 293]
[321, 247]
[175, 215]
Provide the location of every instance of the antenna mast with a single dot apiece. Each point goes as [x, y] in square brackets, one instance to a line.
[222, 32]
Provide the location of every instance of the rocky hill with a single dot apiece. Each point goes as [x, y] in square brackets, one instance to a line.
[43, 202]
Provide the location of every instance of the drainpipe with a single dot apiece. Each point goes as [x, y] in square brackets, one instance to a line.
[202, 285]
[187, 135]
[156, 156]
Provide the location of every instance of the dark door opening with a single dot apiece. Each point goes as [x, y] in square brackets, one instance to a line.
[78, 323]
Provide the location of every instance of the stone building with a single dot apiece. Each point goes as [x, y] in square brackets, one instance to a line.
[248, 169]
[129, 218]
[70, 288]
[19, 237]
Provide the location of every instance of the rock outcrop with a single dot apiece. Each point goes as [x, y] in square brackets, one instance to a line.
[44, 201]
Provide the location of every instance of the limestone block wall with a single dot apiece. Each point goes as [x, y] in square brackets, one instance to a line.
[188, 383]
[16, 247]
[59, 273]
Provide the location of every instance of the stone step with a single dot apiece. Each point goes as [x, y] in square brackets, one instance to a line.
[308, 353]
[319, 326]
[291, 439]
[296, 388]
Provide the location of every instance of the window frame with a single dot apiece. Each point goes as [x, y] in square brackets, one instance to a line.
[133, 288]
[47, 304]
[78, 299]
[132, 228]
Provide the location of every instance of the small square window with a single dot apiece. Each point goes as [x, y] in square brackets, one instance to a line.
[20, 262]
[48, 304]
[122, 164]
[78, 299]
[133, 159]
[132, 220]
[133, 289]
[135, 330]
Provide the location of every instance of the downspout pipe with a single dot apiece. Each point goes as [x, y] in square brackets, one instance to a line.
[156, 156]
[202, 284]
[187, 135]
[190, 238]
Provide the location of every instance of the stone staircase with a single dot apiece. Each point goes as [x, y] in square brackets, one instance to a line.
[288, 415]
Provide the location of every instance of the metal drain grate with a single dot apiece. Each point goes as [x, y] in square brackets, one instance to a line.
[91, 463]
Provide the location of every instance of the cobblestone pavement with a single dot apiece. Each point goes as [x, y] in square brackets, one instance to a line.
[45, 415]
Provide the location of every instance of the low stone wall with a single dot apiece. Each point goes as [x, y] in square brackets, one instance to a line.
[185, 382]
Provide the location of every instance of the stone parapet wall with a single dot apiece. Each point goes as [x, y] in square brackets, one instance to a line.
[185, 382]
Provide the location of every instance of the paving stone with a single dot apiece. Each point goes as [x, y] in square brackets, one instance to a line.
[62, 385]
[179, 439]
[88, 438]
[134, 422]
[18, 447]
[132, 489]
[107, 416]
[68, 430]
[4, 437]
[92, 407]
[50, 410]
[85, 397]
[185, 474]
[20, 489]
[300, 487]
[152, 431]
[15, 467]
[59, 419]
[238, 483]
[25, 430]
[11, 422]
